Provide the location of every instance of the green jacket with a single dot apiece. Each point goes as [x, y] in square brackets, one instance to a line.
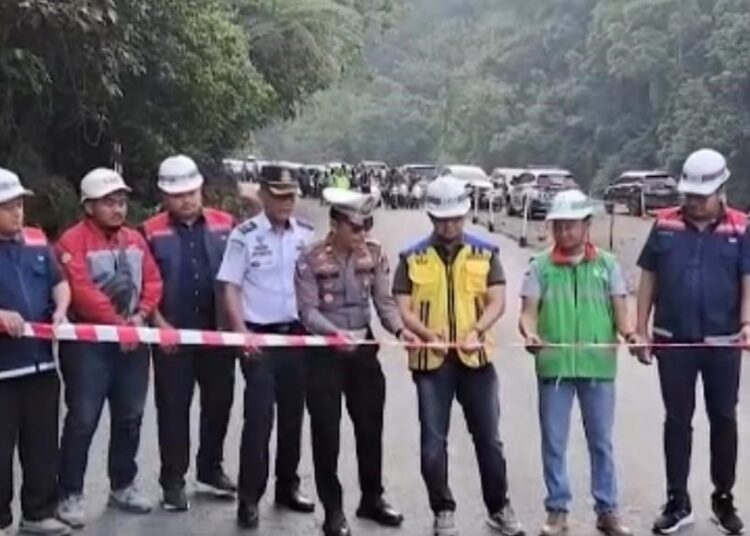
[576, 308]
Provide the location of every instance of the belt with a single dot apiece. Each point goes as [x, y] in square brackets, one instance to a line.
[284, 328]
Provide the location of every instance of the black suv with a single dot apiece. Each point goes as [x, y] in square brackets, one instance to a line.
[642, 191]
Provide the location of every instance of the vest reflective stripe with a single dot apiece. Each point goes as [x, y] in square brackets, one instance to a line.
[448, 300]
[576, 307]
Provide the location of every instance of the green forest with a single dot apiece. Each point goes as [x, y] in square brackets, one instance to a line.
[597, 86]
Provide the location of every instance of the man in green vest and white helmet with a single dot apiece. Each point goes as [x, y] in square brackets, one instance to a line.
[574, 294]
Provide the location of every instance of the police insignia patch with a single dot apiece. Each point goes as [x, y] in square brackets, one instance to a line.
[247, 227]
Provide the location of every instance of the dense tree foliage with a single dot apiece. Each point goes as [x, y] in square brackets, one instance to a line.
[598, 86]
[81, 77]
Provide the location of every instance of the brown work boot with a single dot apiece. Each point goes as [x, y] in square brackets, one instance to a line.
[556, 524]
[611, 525]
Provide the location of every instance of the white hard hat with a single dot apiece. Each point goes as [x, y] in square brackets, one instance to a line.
[10, 186]
[570, 205]
[178, 175]
[100, 183]
[704, 172]
[447, 197]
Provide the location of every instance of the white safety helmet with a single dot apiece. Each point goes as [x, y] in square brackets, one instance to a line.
[101, 182]
[570, 205]
[704, 172]
[10, 186]
[178, 175]
[447, 197]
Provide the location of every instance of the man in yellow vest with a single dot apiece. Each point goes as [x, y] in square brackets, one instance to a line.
[450, 289]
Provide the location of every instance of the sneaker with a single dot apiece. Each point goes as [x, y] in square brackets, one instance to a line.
[71, 511]
[725, 514]
[610, 524]
[46, 527]
[218, 485]
[505, 522]
[556, 524]
[3, 532]
[130, 500]
[676, 514]
[175, 499]
[444, 524]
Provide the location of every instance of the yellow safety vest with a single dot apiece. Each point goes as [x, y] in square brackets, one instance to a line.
[449, 299]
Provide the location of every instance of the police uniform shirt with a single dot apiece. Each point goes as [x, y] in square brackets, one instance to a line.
[261, 261]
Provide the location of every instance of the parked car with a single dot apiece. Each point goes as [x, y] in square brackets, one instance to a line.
[642, 191]
[536, 187]
[418, 171]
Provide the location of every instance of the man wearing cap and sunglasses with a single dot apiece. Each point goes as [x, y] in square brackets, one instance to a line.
[258, 272]
[450, 289]
[115, 281]
[32, 289]
[696, 280]
[188, 243]
[337, 280]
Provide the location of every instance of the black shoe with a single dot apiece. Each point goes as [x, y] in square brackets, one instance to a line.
[247, 515]
[336, 525]
[677, 514]
[295, 501]
[380, 512]
[175, 499]
[725, 514]
[218, 485]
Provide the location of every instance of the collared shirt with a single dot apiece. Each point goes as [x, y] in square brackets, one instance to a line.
[196, 277]
[698, 275]
[261, 260]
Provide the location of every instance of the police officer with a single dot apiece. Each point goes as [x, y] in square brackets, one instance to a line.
[451, 287]
[258, 269]
[32, 289]
[188, 243]
[696, 279]
[336, 281]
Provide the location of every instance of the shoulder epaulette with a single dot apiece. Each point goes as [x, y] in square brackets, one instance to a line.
[247, 227]
[305, 224]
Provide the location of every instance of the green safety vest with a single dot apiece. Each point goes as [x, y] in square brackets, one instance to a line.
[341, 181]
[576, 307]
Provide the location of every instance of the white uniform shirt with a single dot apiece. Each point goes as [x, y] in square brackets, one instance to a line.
[262, 262]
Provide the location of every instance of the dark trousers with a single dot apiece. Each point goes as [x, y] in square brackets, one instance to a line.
[356, 375]
[93, 374]
[28, 418]
[275, 377]
[477, 392]
[175, 377]
[720, 373]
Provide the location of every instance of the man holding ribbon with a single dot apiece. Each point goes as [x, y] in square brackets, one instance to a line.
[337, 280]
[696, 279]
[114, 280]
[188, 243]
[575, 295]
[258, 272]
[450, 289]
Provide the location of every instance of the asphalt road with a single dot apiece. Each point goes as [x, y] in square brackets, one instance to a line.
[638, 444]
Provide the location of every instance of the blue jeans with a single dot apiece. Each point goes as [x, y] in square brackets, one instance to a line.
[597, 401]
[94, 373]
[477, 392]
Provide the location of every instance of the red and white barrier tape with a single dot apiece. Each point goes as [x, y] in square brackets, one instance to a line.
[188, 337]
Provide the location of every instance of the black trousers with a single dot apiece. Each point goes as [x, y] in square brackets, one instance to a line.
[720, 373]
[175, 377]
[358, 376]
[29, 414]
[274, 378]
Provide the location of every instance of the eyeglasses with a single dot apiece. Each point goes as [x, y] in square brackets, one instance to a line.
[366, 226]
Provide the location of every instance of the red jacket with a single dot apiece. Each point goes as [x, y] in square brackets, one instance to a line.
[89, 259]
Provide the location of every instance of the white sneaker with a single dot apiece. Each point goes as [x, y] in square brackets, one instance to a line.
[444, 524]
[45, 527]
[71, 511]
[130, 499]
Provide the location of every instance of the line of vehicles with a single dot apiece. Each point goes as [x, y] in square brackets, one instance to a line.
[517, 191]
